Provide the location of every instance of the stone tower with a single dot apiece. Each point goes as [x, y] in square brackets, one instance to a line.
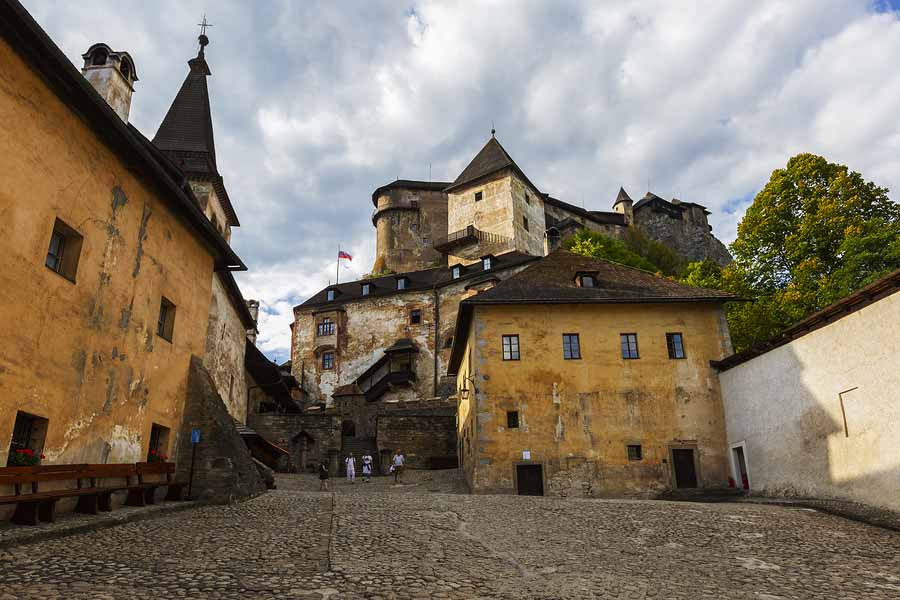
[186, 138]
[409, 216]
[112, 74]
[624, 206]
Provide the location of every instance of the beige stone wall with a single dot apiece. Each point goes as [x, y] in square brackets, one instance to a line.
[212, 206]
[493, 213]
[407, 221]
[225, 347]
[575, 412]
[85, 354]
[559, 214]
[819, 417]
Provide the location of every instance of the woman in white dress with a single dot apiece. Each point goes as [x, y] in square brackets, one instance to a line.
[351, 468]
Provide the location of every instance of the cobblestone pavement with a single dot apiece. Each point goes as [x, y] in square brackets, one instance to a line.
[418, 541]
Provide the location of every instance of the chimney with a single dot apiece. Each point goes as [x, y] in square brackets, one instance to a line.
[253, 307]
[112, 74]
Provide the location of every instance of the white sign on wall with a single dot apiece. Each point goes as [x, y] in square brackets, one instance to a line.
[526, 454]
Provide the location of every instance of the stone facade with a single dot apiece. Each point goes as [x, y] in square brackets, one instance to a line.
[226, 338]
[223, 469]
[683, 227]
[408, 217]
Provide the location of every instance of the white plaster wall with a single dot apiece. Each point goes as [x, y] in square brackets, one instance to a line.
[225, 349]
[785, 407]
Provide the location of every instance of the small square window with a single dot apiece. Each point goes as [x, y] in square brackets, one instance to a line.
[675, 345]
[571, 346]
[455, 272]
[426, 241]
[525, 223]
[414, 226]
[159, 443]
[29, 433]
[415, 316]
[587, 281]
[512, 419]
[165, 326]
[635, 452]
[486, 263]
[366, 289]
[510, 347]
[478, 196]
[629, 345]
[327, 361]
[401, 283]
[64, 250]
[330, 295]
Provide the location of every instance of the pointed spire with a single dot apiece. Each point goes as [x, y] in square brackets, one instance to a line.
[622, 197]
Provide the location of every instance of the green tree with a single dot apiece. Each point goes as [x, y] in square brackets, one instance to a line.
[814, 234]
[590, 243]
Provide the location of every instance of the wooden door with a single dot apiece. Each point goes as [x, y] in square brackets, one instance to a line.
[530, 480]
[685, 471]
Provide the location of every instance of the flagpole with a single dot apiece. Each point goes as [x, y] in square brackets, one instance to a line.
[337, 270]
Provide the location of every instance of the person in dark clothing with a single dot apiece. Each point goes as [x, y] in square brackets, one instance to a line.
[323, 476]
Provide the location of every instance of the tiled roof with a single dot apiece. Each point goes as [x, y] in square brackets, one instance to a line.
[27, 39]
[622, 196]
[491, 159]
[551, 280]
[417, 281]
[186, 133]
[605, 218]
[650, 198]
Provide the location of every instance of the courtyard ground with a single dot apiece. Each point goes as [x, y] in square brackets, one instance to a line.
[426, 540]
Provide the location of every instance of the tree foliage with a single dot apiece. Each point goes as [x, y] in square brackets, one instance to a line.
[590, 243]
[814, 234]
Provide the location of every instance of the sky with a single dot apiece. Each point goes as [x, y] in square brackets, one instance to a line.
[317, 103]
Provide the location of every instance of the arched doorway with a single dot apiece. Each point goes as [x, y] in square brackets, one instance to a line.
[348, 429]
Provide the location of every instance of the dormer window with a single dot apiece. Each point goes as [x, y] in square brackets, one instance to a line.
[486, 263]
[456, 272]
[366, 289]
[402, 283]
[330, 295]
[586, 280]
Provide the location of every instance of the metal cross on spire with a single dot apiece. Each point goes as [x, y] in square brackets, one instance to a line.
[203, 25]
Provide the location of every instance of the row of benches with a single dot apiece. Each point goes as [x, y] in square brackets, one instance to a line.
[93, 485]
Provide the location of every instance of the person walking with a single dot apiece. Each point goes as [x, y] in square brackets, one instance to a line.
[323, 476]
[351, 468]
[367, 467]
[397, 465]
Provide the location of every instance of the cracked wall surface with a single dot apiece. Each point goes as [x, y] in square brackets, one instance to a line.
[85, 354]
[226, 339]
[577, 417]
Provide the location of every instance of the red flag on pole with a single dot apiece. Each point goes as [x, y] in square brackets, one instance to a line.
[342, 254]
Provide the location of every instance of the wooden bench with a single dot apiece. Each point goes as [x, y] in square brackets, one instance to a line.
[92, 487]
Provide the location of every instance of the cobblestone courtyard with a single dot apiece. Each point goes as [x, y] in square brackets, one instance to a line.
[420, 540]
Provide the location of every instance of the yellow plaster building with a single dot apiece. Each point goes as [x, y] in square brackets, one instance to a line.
[578, 376]
[108, 261]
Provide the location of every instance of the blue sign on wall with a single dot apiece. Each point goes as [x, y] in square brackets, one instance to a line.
[195, 436]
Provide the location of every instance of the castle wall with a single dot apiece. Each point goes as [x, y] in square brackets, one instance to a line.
[407, 221]
[226, 339]
[556, 214]
[689, 235]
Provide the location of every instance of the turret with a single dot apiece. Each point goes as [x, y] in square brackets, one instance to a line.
[112, 74]
[624, 205]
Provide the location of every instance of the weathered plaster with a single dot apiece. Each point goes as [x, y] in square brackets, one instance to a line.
[226, 340]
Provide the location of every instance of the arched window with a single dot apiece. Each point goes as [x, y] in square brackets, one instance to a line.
[99, 58]
[125, 69]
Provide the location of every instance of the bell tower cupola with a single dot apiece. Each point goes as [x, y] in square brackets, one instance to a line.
[112, 74]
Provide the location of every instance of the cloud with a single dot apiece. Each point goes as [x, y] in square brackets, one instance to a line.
[318, 103]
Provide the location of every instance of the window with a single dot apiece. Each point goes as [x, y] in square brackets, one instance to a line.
[448, 343]
[401, 283]
[327, 360]
[414, 226]
[571, 346]
[527, 200]
[330, 295]
[512, 419]
[455, 272]
[525, 223]
[159, 443]
[425, 241]
[165, 326]
[486, 263]
[99, 58]
[587, 281]
[415, 316]
[477, 196]
[510, 347]
[325, 327]
[125, 69]
[64, 250]
[629, 345]
[675, 344]
[634, 452]
[29, 432]
[366, 289]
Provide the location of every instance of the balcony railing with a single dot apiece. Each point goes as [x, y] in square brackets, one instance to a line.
[466, 236]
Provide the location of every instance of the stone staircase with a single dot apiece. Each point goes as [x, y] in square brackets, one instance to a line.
[357, 446]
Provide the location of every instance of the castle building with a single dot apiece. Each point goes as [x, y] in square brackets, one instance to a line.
[578, 376]
[366, 351]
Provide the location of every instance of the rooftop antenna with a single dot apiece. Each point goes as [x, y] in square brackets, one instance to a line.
[429, 171]
[493, 131]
